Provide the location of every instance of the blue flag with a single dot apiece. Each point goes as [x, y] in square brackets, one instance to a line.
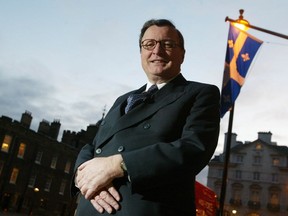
[241, 49]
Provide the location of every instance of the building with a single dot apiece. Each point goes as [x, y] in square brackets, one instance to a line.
[36, 169]
[257, 182]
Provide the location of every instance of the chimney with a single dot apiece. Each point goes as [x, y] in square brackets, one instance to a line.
[233, 140]
[265, 136]
[26, 119]
[44, 127]
[54, 129]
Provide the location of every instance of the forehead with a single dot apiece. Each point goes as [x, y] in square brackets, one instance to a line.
[160, 32]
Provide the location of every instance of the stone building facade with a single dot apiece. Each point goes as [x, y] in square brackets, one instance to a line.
[36, 169]
[257, 182]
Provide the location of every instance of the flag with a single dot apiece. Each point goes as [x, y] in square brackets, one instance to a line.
[241, 49]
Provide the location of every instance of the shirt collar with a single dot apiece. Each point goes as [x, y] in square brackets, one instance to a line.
[161, 85]
[158, 85]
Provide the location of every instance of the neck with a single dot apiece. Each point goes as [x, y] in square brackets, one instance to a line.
[160, 80]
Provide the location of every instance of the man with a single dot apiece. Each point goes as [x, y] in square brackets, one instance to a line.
[143, 162]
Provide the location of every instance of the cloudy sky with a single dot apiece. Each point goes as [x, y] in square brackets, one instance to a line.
[68, 59]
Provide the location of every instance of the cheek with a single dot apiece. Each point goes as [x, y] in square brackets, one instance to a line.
[144, 58]
[178, 59]
[144, 63]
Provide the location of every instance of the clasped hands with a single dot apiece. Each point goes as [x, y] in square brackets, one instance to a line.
[94, 180]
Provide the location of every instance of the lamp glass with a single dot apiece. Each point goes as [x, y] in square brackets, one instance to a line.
[241, 24]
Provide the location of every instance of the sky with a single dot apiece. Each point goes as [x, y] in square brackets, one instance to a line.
[69, 60]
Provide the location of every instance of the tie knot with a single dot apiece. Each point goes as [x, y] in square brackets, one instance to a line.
[135, 99]
[152, 89]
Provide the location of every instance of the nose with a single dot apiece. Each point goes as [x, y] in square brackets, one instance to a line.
[158, 48]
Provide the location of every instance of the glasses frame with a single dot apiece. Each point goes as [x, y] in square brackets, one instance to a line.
[162, 44]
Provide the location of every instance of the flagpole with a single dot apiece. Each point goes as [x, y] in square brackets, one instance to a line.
[226, 162]
[233, 79]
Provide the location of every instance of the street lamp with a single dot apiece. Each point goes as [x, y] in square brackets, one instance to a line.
[36, 190]
[242, 22]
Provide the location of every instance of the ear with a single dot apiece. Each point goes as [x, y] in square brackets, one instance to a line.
[183, 56]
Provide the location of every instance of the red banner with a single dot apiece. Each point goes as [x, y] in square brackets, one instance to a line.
[205, 200]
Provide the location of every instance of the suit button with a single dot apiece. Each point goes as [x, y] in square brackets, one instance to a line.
[120, 149]
[98, 151]
[147, 126]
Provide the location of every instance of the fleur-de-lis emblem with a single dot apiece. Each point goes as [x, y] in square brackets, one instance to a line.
[245, 57]
[230, 43]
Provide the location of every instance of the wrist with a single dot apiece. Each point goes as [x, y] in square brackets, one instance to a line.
[117, 161]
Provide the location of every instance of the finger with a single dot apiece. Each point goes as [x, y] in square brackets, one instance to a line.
[99, 208]
[106, 206]
[81, 167]
[109, 199]
[114, 193]
[88, 192]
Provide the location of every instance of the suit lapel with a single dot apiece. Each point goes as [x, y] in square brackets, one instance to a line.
[117, 122]
[113, 117]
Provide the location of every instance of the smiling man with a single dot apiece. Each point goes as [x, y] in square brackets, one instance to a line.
[162, 54]
[154, 140]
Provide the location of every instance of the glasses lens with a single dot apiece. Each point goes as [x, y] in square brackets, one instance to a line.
[168, 44]
[149, 44]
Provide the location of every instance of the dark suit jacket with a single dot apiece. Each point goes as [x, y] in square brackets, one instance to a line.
[164, 142]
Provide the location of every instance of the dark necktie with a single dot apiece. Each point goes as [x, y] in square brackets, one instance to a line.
[135, 99]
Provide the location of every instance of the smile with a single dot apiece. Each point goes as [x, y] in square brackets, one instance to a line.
[159, 61]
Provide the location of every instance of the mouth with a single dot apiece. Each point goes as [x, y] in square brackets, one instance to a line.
[160, 61]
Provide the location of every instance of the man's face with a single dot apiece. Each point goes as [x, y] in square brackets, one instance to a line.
[161, 64]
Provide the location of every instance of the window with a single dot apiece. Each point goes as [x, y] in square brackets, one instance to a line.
[258, 146]
[32, 181]
[220, 173]
[38, 157]
[67, 167]
[236, 194]
[239, 158]
[255, 195]
[14, 176]
[54, 162]
[257, 160]
[274, 198]
[238, 174]
[256, 176]
[21, 150]
[48, 184]
[6, 143]
[274, 177]
[62, 187]
[275, 161]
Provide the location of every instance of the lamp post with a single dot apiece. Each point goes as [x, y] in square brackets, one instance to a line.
[244, 25]
[35, 190]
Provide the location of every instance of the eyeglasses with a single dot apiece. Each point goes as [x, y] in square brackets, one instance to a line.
[150, 44]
